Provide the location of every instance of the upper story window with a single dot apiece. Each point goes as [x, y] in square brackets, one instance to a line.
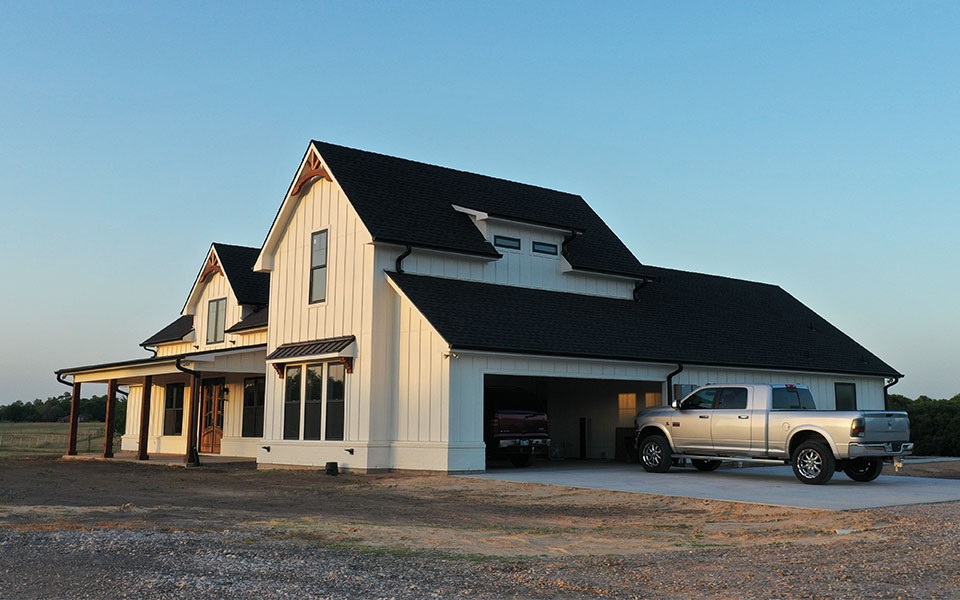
[502, 241]
[318, 267]
[545, 248]
[216, 320]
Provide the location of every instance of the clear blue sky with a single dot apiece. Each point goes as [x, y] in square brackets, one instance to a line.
[813, 146]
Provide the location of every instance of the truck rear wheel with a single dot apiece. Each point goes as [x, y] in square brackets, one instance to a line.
[863, 469]
[813, 462]
[655, 454]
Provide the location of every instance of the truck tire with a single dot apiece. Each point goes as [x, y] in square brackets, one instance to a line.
[706, 465]
[863, 469]
[655, 454]
[813, 462]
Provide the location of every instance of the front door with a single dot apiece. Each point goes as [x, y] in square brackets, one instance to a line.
[211, 416]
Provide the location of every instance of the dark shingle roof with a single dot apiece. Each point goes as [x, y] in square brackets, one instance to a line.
[171, 333]
[312, 348]
[254, 320]
[409, 202]
[237, 263]
[683, 317]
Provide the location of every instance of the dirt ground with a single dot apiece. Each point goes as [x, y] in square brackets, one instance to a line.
[475, 522]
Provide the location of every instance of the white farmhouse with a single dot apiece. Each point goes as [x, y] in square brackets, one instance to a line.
[390, 295]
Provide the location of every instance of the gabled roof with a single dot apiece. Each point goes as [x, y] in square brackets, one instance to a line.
[407, 202]
[682, 318]
[236, 264]
[249, 287]
[173, 332]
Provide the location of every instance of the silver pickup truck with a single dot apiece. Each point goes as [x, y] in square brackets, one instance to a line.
[770, 423]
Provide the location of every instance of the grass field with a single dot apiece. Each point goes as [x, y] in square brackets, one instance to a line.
[49, 438]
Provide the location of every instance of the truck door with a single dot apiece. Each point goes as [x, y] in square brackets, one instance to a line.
[690, 426]
[731, 422]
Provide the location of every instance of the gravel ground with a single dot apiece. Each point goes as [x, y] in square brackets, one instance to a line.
[77, 549]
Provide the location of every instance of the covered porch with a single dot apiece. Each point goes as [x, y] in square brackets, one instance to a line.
[193, 405]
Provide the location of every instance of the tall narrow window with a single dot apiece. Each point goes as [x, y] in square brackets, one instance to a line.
[216, 320]
[291, 404]
[335, 394]
[318, 267]
[846, 394]
[313, 403]
[173, 410]
[253, 407]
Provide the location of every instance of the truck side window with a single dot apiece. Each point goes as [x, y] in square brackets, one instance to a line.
[792, 398]
[702, 400]
[732, 399]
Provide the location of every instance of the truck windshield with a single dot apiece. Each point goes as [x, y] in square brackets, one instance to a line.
[792, 398]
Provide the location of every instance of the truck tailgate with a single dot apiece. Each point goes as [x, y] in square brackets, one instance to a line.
[881, 426]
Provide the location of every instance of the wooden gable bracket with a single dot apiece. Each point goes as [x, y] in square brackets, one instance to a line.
[347, 362]
[278, 367]
[313, 168]
[211, 268]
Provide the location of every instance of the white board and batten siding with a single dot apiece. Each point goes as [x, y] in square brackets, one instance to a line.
[521, 268]
[347, 310]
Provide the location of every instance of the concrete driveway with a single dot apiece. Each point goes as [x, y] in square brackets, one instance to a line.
[774, 485]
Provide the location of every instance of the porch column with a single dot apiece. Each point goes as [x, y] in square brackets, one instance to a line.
[111, 417]
[192, 457]
[144, 418]
[74, 419]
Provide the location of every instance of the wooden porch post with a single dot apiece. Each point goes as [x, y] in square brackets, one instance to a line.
[145, 418]
[74, 419]
[111, 416]
[192, 457]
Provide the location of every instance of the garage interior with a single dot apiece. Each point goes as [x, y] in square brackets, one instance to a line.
[588, 418]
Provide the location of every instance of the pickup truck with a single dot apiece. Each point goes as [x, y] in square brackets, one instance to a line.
[517, 426]
[770, 423]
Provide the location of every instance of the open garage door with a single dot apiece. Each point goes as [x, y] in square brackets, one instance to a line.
[588, 418]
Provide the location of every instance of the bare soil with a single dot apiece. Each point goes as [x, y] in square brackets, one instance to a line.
[480, 538]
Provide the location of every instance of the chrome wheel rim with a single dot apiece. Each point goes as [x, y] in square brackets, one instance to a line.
[652, 455]
[810, 463]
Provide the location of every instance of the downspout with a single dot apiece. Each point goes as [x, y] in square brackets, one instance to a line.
[61, 380]
[193, 456]
[567, 240]
[406, 252]
[886, 395]
[154, 350]
[670, 383]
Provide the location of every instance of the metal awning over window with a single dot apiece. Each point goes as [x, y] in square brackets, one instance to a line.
[343, 348]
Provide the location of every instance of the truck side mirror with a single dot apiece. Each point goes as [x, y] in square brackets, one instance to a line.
[675, 404]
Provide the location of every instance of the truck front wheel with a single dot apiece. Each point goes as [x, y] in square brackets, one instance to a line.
[813, 462]
[863, 469]
[655, 454]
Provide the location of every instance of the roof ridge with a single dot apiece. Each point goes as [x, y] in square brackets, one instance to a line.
[452, 169]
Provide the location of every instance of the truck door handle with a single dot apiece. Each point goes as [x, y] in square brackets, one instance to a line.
[704, 416]
[743, 416]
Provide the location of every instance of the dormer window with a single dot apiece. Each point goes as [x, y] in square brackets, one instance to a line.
[510, 243]
[216, 320]
[545, 248]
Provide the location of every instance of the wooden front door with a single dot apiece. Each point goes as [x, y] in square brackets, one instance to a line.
[211, 416]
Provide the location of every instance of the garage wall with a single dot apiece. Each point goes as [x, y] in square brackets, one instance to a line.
[869, 389]
[467, 374]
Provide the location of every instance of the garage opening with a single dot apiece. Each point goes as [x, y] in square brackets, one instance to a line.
[586, 418]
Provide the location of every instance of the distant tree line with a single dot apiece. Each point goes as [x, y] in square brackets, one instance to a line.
[934, 424]
[57, 408]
